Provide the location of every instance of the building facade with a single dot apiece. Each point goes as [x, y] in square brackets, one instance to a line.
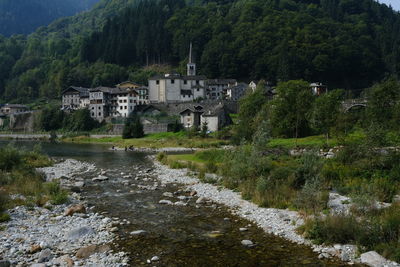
[172, 88]
[216, 88]
[112, 102]
[9, 109]
[236, 92]
[74, 98]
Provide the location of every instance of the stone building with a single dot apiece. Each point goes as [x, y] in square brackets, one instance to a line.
[216, 88]
[236, 92]
[74, 98]
[196, 115]
[143, 91]
[9, 109]
[112, 102]
[172, 88]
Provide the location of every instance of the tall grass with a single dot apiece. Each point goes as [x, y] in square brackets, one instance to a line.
[19, 176]
[377, 230]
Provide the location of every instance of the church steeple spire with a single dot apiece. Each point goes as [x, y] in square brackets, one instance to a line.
[191, 66]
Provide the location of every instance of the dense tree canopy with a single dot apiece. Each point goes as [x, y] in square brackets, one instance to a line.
[25, 16]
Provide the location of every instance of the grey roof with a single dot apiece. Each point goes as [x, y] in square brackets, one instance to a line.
[213, 111]
[221, 81]
[14, 106]
[178, 76]
[115, 90]
[83, 92]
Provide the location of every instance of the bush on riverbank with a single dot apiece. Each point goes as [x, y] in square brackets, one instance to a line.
[377, 230]
[19, 177]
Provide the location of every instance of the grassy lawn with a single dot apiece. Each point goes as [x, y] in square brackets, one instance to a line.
[315, 141]
[158, 140]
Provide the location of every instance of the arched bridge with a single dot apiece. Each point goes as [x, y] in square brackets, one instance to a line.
[347, 105]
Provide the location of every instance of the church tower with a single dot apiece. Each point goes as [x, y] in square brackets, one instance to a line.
[191, 66]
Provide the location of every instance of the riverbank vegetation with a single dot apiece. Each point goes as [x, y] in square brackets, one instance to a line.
[159, 140]
[21, 184]
[349, 155]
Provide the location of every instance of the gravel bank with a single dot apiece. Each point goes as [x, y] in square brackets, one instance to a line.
[47, 237]
[279, 222]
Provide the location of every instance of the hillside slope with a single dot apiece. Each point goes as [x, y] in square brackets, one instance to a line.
[348, 44]
[25, 16]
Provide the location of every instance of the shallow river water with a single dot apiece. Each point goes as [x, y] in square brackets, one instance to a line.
[178, 235]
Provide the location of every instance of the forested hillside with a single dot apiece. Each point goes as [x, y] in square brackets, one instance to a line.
[25, 16]
[348, 44]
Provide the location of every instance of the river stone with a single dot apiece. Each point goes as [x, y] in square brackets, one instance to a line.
[247, 243]
[100, 178]
[164, 201]
[79, 208]
[4, 263]
[155, 258]
[138, 232]
[45, 255]
[200, 200]
[243, 229]
[79, 184]
[180, 203]
[84, 253]
[79, 232]
[373, 259]
[168, 194]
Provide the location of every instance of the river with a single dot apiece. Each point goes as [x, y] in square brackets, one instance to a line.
[178, 235]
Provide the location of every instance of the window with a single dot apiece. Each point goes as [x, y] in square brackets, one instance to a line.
[158, 82]
[184, 82]
[198, 89]
[125, 100]
[99, 113]
[172, 81]
[99, 108]
[126, 107]
[92, 107]
[121, 107]
[130, 101]
[92, 114]
[197, 82]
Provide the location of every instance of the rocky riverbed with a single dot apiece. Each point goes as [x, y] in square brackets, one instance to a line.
[282, 223]
[64, 235]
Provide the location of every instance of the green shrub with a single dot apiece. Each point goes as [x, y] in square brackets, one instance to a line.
[4, 217]
[3, 201]
[161, 157]
[308, 170]
[10, 158]
[211, 167]
[312, 197]
[334, 229]
[56, 195]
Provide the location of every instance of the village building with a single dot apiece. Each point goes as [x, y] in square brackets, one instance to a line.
[216, 88]
[143, 91]
[234, 93]
[191, 116]
[112, 102]
[172, 88]
[74, 98]
[253, 85]
[215, 116]
[318, 88]
[9, 109]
